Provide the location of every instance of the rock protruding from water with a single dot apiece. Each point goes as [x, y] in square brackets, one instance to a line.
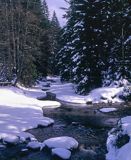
[34, 145]
[51, 96]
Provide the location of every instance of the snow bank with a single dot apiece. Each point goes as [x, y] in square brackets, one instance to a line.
[66, 92]
[105, 94]
[19, 112]
[31, 92]
[123, 153]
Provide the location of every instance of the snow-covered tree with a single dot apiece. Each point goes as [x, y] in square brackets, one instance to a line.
[96, 42]
[64, 55]
[55, 32]
[45, 9]
[120, 57]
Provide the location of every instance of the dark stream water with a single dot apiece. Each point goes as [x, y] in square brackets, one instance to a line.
[91, 139]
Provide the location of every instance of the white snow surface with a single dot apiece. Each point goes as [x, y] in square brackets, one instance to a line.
[34, 145]
[61, 142]
[66, 92]
[123, 153]
[12, 139]
[106, 110]
[62, 153]
[20, 111]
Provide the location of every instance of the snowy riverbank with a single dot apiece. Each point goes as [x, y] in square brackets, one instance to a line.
[20, 111]
[65, 92]
[121, 133]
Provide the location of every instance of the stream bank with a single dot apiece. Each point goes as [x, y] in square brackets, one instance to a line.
[69, 121]
[92, 142]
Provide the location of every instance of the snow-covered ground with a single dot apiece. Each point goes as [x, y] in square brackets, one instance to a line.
[20, 111]
[66, 92]
[124, 152]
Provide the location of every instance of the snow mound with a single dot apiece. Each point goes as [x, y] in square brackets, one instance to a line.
[126, 125]
[62, 153]
[66, 92]
[106, 110]
[123, 153]
[105, 94]
[61, 142]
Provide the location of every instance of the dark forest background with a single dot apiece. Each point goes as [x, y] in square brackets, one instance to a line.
[93, 49]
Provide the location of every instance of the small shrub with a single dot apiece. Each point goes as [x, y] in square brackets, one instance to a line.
[122, 140]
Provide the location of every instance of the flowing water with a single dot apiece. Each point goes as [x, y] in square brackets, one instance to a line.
[90, 139]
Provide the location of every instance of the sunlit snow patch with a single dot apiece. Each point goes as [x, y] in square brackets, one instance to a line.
[19, 113]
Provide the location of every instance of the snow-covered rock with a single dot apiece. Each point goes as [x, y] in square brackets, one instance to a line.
[26, 137]
[34, 145]
[62, 153]
[46, 122]
[106, 110]
[11, 139]
[124, 152]
[61, 142]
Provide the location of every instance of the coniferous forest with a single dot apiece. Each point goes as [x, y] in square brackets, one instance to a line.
[65, 88]
[96, 43]
[28, 40]
[91, 50]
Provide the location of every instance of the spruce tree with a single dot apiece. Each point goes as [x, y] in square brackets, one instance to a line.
[45, 9]
[64, 55]
[55, 42]
[94, 41]
[42, 57]
[84, 45]
[119, 59]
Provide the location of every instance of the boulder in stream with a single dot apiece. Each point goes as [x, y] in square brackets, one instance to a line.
[61, 142]
[62, 153]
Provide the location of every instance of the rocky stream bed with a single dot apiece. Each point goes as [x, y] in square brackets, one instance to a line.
[91, 142]
[72, 122]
